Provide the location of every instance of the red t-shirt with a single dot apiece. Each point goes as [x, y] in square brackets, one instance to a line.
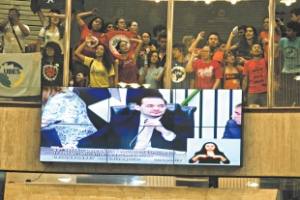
[101, 37]
[85, 31]
[218, 55]
[206, 73]
[128, 71]
[257, 72]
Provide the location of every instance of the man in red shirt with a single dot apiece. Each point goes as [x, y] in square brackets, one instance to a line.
[208, 72]
[255, 78]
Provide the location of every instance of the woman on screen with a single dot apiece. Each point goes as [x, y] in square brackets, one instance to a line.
[209, 153]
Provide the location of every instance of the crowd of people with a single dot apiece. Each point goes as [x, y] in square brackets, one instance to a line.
[118, 55]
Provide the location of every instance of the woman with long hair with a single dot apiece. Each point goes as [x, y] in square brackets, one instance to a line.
[209, 153]
[147, 46]
[232, 76]
[53, 31]
[133, 27]
[101, 69]
[95, 30]
[52, 65]
[120, 24]
[244, 46]
[109, 26]
[128, 69]
[95, 27]
[151, 73]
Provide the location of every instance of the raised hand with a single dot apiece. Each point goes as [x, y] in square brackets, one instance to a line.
[201, 35]
[94, 11]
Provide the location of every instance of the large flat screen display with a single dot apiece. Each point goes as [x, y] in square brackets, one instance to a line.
[142, 126]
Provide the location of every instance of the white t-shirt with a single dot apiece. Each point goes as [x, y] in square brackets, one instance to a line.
[47, 36]
[10, 42]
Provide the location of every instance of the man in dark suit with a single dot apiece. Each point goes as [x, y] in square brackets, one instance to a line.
[233, 126]
[148, 125]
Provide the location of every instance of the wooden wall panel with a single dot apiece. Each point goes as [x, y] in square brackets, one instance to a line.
[237, 182]
[160, 181]
[84, 192]
[271, 148]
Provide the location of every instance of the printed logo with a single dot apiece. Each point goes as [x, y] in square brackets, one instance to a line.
[50, 72]
[11, 74]
[178, 74]
[291, 52]
[93, 42]
[206, 72]
[113, 42]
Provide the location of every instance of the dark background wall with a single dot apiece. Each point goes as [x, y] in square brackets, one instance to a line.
[148, 14]
[221, 17]
[190, 17]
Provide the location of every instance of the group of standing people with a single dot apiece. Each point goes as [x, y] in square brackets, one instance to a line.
[138, 59]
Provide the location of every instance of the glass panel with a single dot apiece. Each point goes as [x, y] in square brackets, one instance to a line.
[93, 179]
[127, 31]
[19, 71]
[211, 35]
[286, 84]
[33, 51]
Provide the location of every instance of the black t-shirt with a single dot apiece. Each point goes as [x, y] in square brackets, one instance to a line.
[52, 74]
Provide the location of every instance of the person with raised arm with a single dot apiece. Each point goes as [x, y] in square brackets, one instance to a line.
[101, 69]
[128, 70]
[243, 50]
[14, 32]
[52, 31]
[208, 72]
[151, 73]
[95, 30]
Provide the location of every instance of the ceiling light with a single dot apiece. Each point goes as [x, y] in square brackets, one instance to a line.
[297, 78]
[233, 2]
[208, 1]
[288, 2]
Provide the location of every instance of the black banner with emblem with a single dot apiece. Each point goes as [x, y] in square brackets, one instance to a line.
[36, 5]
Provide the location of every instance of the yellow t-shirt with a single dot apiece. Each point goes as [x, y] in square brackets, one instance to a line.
[98, 74]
